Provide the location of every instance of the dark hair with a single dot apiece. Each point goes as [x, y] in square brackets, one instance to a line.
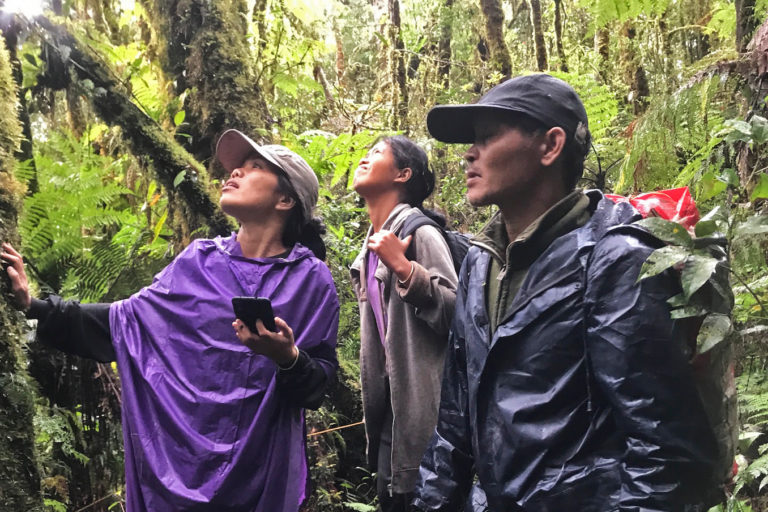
[572, 156]
[408, 154]
[307, 232]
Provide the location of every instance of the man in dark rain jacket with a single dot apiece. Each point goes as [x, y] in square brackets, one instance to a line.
[567, 386]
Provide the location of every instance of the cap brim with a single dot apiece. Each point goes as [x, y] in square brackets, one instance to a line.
[455, 123]
[234, 146]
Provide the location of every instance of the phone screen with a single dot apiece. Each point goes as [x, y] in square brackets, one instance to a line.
[249, 309]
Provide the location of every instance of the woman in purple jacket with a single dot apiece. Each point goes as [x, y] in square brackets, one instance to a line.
[213, 413]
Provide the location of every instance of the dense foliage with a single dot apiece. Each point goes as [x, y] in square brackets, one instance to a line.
[121, 103]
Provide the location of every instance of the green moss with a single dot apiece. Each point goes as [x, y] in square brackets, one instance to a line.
[19, 475]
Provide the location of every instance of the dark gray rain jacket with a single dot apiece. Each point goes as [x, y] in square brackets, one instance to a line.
[583, 398]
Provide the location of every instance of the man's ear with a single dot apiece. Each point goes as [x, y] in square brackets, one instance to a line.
[403, 175]
[553, 142]
[285, 203]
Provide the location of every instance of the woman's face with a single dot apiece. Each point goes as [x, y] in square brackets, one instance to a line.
[251, 189]
[376, 171]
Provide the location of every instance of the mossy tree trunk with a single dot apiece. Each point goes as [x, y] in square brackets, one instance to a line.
[559, 35]
[19, 475]
[397, 69]
[634, 71]
[538, 36]
[494, 29]
[746, 23]
[603, 50]
[207, 53]
[444, 44]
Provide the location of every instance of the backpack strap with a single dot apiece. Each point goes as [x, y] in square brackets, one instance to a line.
[414, 222]
[410, 225]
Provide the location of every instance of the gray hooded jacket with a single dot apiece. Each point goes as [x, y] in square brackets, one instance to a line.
[419, 317]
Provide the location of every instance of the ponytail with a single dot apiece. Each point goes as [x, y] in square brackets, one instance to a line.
[311, 237]
[297, 230]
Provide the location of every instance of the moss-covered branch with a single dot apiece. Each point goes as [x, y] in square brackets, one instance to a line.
[112, 103]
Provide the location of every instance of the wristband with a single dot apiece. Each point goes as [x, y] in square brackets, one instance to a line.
[413, 267]
[286, 368]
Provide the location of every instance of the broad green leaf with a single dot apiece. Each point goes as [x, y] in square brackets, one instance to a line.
[687, 312]
[759, 129]
[287, 84]
[705, 228]
[179, 117]
[54, 505]
[712, 214]
[761, 189]
[666, 230]
[746, 439]
[159, 225]
[677, 301]
[710, 186]
[179, 178]
[738, 131]
[754, 225]
[309, 83]
[151, 190]
[713, 330]
[661, 259]
[360, 507]
[730, 178]
[698, 269]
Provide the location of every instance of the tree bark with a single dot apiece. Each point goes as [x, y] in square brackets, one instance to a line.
[10, 33]
[444, 44]
[602, 47]
[397, 69]
[538, 36]
[494, 23]
[559, 35]
[207, 53]
[634, 72]
[144, 136]
[746, 23]
[19, 477]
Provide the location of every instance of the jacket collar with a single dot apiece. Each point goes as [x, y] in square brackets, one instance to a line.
[569, 213]
[393, 223]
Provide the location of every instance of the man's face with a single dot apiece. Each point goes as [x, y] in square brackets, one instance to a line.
[503, 163]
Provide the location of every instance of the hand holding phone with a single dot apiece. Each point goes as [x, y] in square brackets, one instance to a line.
[250, 309]
[277, 342]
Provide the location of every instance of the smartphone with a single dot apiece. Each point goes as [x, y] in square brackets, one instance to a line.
[249, 309]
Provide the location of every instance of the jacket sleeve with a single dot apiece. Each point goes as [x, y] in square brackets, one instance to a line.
[432, 287]
[80, 329]
[306, 383]
[447, 467]
[638, 362]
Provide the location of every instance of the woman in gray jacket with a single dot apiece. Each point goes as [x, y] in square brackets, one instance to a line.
[406, 291]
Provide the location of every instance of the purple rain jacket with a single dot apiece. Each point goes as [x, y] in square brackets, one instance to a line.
[209, 426]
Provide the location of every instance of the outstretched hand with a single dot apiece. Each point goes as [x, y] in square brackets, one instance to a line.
[278, 346]
[391, 251]
[17, 275]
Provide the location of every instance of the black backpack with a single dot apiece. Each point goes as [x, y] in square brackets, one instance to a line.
[458, 243]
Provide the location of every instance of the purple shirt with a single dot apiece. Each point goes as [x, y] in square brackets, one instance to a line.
[204, 428]
[374, 295]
